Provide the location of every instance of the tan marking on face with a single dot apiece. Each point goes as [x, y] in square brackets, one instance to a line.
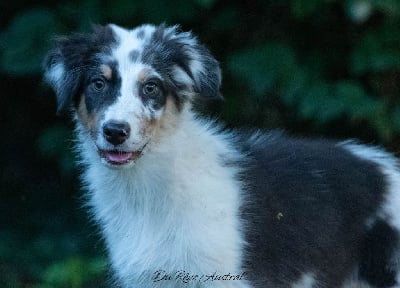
[167, 123]
[86, 119]
[149, 127]
[170, 116]
[82, 111]
[106, 71]
[157, 129]
[143, 75]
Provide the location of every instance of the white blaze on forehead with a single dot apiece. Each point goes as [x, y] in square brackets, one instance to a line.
[128, 41]
[129, 106]
[128, 102]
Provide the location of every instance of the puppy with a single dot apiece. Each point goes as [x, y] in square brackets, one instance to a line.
[181, 203]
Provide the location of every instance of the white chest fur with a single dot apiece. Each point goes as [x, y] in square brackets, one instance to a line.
[176, 211]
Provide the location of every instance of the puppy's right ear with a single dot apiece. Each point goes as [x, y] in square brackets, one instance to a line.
[64, 78]
[64, 65]
[64, 83]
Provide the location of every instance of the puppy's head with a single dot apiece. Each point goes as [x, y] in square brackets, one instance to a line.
[122, 84]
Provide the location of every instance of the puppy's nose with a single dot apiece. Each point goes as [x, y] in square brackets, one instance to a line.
[116, 132]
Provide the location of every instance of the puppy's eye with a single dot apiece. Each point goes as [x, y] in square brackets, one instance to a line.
[98, 84]
[150, 88]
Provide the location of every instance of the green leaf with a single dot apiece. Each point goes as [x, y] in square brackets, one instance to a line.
[325, 102]
[320, 104]
[377, 51]
[389, 7]
[262, 67]
[294, 84]
[25, 41]
[359, 10]
[354, 99]
[383, 126]
[359, 105]
[73, 272]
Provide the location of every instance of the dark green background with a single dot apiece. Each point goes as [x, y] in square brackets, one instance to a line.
[312, 67]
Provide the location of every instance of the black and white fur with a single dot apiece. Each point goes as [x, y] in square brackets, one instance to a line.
[174, 194]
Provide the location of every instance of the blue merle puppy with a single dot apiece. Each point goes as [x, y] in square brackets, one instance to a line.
[181, 203]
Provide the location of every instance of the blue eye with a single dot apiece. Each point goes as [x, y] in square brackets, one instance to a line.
[98, 84]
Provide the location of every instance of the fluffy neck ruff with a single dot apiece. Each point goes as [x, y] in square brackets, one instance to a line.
[176, 209]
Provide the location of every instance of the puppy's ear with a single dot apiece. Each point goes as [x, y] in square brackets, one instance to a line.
[201, 66]
[63, 80]
[204, 70]
[64, 67]
[189, 64]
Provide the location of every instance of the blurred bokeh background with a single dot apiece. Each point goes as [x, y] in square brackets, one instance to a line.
[321, 68]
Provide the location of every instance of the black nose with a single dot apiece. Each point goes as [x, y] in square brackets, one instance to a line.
[116, 132]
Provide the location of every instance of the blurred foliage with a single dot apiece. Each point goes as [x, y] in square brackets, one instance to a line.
[316, 67]
[72, 273]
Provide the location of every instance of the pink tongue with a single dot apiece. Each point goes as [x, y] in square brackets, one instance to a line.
[118, 157]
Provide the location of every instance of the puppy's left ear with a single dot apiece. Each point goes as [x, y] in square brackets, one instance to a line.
[206, 72]
[197, 62]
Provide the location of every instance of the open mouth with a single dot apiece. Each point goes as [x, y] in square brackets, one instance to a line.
[115, 157]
